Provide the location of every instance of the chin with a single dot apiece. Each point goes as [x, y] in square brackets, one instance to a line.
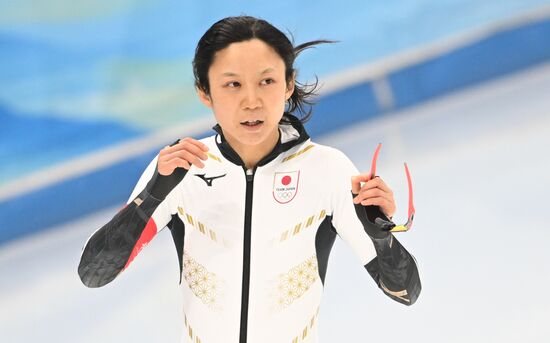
[252, 140]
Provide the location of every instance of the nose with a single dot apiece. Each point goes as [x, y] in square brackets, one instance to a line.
[252, 98]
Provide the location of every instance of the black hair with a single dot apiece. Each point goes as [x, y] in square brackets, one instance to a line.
[242, 28]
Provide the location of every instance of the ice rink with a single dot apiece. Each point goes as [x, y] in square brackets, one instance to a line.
[480, 165]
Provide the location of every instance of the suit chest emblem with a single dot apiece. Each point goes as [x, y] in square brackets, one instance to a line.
[285, 186]
[209, 179]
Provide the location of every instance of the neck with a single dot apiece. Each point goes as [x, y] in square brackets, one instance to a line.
[252, 154]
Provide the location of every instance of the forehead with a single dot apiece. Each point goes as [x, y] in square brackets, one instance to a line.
[246, 57]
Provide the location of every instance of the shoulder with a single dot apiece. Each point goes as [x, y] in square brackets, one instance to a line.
[334, 160]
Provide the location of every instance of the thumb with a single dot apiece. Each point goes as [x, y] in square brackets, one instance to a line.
[356, 182]
[364, 177]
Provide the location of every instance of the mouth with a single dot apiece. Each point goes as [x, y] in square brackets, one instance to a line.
[252, 123]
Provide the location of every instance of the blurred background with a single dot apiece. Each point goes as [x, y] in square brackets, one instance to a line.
[459, 89]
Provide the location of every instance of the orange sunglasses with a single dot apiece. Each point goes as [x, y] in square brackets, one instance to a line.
[407, 226]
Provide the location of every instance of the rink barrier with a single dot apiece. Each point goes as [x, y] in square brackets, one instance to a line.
[49, 197]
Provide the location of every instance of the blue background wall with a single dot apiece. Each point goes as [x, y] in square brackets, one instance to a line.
[80, 77]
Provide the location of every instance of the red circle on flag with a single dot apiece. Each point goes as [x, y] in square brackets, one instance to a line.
[286, 180]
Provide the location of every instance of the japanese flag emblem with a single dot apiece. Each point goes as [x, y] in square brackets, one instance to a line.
[285, 186]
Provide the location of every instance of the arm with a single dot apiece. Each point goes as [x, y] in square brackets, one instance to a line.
[394, 269]
[391, 266]
[112, 248]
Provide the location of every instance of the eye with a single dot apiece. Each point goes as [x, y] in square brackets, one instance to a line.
[271, 80]
[232, 82]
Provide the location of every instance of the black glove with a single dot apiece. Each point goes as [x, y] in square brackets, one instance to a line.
[375, 222]
[160, 185]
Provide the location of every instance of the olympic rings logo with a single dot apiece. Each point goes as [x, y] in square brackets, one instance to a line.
[285, 195]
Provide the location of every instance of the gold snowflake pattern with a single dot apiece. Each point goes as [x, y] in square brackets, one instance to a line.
[296, 282]
[203, 284]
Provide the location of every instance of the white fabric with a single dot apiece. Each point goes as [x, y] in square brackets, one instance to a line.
[214, 254]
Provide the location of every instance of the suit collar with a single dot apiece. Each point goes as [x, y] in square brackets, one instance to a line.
[292, 133]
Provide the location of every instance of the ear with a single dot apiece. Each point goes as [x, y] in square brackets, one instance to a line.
[204, 98]
[290, 87]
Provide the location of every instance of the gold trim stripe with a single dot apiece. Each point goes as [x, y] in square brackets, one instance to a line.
[193, 337]
[298, 227]
[305, 330]
[214, 157]
[189, 219]
[289, 157]
[284, 235]
[199, 226]
[212, 235]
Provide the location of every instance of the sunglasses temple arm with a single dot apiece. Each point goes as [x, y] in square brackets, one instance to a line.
[374, 159]
[411, 202]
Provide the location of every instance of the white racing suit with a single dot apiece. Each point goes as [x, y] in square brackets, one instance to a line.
[253, 245]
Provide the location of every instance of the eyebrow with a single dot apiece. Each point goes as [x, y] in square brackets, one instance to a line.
[228, 73]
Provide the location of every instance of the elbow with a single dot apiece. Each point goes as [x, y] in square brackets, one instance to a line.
[96, 273]
[88, 277]
[410, 291]
[94, 278]
[414, 286]
[413, 293]
[406, 297]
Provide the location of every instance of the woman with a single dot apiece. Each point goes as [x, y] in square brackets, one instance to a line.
[254, 210]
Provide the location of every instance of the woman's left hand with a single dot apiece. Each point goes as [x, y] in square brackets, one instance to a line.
[373, 192]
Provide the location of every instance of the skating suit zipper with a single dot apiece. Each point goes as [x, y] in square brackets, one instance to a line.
[246, 253]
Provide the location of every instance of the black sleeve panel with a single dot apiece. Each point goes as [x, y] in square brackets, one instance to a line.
[161, 185]
[324, 240]
[394, 271]
[177, 228]
[109, 248]
[394, 268]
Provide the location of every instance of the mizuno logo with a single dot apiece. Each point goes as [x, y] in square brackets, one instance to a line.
[209, 180]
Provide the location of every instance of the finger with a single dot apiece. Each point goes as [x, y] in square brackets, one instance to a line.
[185, 155]
[193, 149]
[381, 202]
[185, 142]
[190, 158]
[372, 193]
[171, 147]
[197, 143]
[178, 162]
[386, 207]
[197, 148]
[356, 182]
[381, 184]
[377, 182]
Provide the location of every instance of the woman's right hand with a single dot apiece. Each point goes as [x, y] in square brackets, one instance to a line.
[186, 152]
